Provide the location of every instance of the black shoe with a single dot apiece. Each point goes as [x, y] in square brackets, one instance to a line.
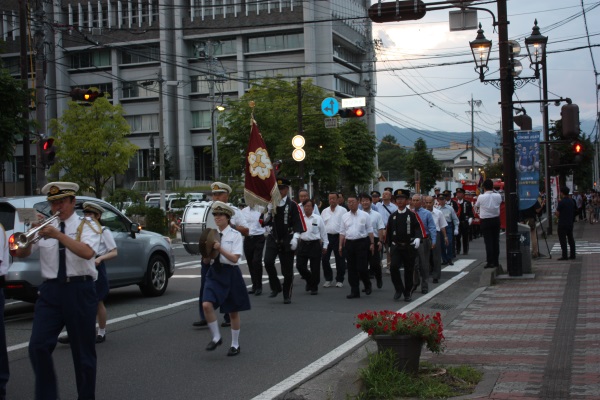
[562, 259]
[450, 263]
[424, 291]
[274, 293]
[353, 296]
[314, 292]
[397, 295]
[63, 339]
[100, 338]
[251, 291]
[225, 324]
[368, 289]
[379, 283]
[287, 301]
[258, 292]
[307, 288]
[407, 298]
[572, 258]
[202, 322]
[414, 288]
[213, 345]
[233, 351]
[436, 281]
[489, 266]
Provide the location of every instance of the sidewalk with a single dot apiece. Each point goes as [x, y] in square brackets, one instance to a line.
[535, 337]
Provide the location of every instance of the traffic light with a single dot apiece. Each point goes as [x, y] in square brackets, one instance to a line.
[351, 112]
[48, 152]
[570, 121]
[577, 152]
[88, 95]
[394, 11]
[523, 121]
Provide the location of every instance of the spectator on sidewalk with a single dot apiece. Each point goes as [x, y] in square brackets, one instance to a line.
[565, 212]
[488, 206]
[530, 217]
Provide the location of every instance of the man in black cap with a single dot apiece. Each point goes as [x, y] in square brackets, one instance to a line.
[375, 198]
[287, 225]
[464, 212]
[403, 237]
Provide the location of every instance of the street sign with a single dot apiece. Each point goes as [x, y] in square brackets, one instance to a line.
[331, 122]
[354, 102]
[330, 106]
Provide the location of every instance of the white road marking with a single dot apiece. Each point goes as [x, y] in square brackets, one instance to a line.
[324, 362]
[458, 266]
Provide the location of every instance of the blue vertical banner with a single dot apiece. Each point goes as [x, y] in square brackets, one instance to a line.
[527, 159]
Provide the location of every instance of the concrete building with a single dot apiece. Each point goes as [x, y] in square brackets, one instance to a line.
[196, 53]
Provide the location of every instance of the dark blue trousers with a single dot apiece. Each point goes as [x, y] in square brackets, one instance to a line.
[4, 372]
[73, 305]
[203, 271]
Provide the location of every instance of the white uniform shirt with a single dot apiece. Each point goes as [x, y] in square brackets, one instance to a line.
[252, 218]
[315, 230]
[333, 219]
[384, 208]
[376, 222]
[439, 219]
[76, 266]
[107, 244]
[233, 242]
[356, 226]
[315, 210]
[488, 204]
[4, 254]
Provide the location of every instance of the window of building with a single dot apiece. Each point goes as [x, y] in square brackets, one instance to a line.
[276, 42]
[226, 83]
[136, 55]
[225, 47]
[139, 89]
[201, 119]
[87, 59]
[344, 86]
[142, 123]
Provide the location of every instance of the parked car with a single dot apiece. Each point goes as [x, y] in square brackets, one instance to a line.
[145, 258]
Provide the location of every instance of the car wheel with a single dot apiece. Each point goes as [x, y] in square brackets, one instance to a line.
[156, 279]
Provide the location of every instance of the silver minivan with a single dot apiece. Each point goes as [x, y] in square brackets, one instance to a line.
[145, 258]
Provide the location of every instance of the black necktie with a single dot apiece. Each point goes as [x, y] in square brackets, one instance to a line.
[62, 258]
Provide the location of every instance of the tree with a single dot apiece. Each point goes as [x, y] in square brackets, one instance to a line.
[422, 159]
[275, 112]
[391, 158]
[91, 144]
[494, 170]
[359, 151]
[13, 114]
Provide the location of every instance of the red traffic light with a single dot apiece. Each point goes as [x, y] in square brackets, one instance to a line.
[578, 148]
[48, 143]
[88, 95]
[394, 11]
[351, 112]
[48, 155]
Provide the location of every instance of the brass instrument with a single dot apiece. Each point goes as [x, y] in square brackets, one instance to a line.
[21, 240]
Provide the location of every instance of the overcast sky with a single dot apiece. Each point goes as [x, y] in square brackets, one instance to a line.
[437, 97]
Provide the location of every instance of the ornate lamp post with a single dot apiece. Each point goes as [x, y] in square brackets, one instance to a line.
[481, 47]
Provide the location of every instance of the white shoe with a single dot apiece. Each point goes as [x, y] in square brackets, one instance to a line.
[339, 284]
[327, 284]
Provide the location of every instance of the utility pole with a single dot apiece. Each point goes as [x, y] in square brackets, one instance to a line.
[211, 93]
[473, 103]
[161, 142]
[40, 91]
[24, 79]
[300, 127]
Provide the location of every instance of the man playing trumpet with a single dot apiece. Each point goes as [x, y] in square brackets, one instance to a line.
[67, 296]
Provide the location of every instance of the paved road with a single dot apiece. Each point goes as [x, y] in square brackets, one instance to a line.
[153, 352]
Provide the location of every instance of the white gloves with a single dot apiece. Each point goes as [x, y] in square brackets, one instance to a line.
[416, 242]
[456, 231]
[470, 220]
[270, 207]
[294, 243]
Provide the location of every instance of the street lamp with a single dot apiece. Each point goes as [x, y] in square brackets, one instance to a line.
[536, 48]
[481, 47]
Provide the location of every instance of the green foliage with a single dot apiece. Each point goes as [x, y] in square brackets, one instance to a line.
[381, 381]
[156, 220]
[92, 144]
[392, 159]
[121, 196]
[422, 159]
[494, 170]
[327, 150]
[13, 114]
[136, 209]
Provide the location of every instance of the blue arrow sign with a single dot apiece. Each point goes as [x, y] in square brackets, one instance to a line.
[330, 106]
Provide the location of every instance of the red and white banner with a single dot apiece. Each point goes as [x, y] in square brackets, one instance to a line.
[260, 187]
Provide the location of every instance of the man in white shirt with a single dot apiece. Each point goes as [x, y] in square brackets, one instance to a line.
[254, 244]
[302, 197]
[357, 238]
[313, 244]
[332, 218]
[435, 256]
[378, 233]
[488, 207]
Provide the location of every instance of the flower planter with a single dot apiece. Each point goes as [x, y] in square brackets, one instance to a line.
[406, 348]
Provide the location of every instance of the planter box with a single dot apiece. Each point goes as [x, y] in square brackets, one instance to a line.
[406, 348]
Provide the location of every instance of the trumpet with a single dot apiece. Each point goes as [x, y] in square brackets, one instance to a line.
[22, 240]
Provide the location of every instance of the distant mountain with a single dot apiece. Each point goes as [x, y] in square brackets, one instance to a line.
[437, 139]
